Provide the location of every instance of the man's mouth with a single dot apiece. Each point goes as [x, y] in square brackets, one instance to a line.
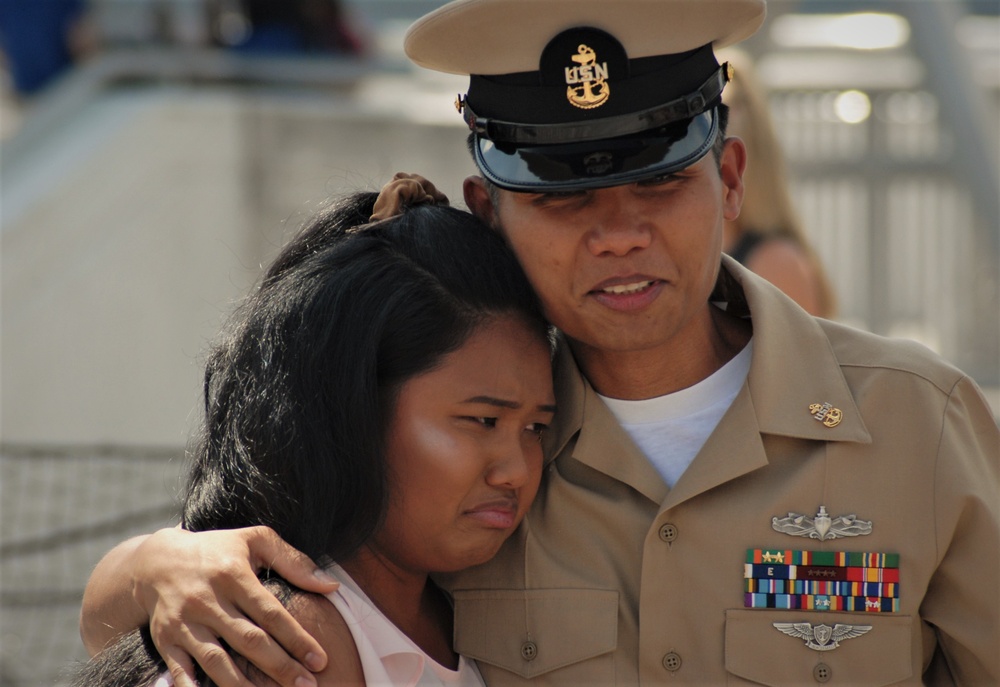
[628, 293]
[623, 289]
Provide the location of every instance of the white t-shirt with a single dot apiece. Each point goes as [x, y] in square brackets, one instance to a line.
[671, 429]
[387, 655]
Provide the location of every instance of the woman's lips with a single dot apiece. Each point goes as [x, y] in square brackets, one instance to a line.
[500, 514]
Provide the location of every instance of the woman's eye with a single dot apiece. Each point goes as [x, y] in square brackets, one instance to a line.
[484, 421]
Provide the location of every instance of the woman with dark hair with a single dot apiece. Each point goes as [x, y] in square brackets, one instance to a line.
[377, 403]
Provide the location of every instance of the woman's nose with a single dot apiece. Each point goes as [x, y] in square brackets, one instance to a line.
[509, 470]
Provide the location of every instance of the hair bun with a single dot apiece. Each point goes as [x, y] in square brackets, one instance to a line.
[405, 191]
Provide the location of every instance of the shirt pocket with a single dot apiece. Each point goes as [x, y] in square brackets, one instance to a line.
[758, 651]
[532, 632]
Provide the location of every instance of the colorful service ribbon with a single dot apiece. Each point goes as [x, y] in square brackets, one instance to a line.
[822, 580]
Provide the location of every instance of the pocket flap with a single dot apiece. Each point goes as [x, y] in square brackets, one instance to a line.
[756, 650]
[530, 632]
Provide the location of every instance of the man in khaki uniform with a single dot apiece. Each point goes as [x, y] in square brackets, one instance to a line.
[617, 579]
[680, 493]
[736, 492]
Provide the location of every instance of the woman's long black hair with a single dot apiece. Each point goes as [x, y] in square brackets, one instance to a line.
[301, 387]
[299, 392]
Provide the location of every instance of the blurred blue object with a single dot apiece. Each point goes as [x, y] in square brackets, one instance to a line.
[34, 37]
[287, 26]
[272, 39]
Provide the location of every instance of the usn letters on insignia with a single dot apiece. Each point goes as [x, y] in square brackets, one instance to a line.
[587, 85]
[826, 413]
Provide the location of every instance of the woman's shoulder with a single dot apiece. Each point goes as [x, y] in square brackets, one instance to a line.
[320, 618]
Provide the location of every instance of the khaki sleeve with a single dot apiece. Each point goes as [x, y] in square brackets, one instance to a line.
[962, 602]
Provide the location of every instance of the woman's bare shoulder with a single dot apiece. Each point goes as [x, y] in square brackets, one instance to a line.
[320, 618]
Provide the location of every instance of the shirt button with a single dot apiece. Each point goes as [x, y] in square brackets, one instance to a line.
[672, 662]
[822, 672]
[668, 532]
[529, 650]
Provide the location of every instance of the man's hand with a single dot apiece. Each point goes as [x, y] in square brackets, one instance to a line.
[200, 587]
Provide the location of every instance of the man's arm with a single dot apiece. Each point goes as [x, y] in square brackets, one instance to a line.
[133, 658]
[195, 589]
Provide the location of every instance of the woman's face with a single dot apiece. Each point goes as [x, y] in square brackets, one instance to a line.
[463, 451]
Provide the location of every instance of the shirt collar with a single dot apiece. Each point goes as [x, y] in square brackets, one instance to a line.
[793, 367]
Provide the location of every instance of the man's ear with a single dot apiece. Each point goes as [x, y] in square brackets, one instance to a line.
[478, 200]
[732, 164]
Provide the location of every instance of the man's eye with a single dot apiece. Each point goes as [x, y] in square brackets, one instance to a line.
[657, 180]
[537, 428]
[556, 196]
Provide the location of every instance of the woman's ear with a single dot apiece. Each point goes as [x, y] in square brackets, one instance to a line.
[732, 164]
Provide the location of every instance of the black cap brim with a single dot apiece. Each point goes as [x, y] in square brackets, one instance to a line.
[597, 164]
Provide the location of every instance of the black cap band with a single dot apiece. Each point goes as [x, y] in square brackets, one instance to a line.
[679, 109]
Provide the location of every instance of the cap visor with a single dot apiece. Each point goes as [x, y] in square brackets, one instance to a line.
[596, 164]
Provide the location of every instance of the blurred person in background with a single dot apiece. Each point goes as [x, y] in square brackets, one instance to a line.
[41, 39]
[284, 26]
[768, 237]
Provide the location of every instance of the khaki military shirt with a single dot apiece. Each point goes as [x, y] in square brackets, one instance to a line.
[615, 579]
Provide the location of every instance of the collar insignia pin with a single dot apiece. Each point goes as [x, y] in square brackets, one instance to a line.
[586, 84]
[822, 526]
[826, 413]
[822, 637]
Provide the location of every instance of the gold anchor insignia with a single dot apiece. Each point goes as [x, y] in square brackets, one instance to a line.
[826, 413]
[822, 637]
[587, 86]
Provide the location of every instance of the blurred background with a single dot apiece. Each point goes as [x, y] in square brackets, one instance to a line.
[155, 153]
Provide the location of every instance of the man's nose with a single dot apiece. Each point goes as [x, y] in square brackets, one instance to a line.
[618, 225]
